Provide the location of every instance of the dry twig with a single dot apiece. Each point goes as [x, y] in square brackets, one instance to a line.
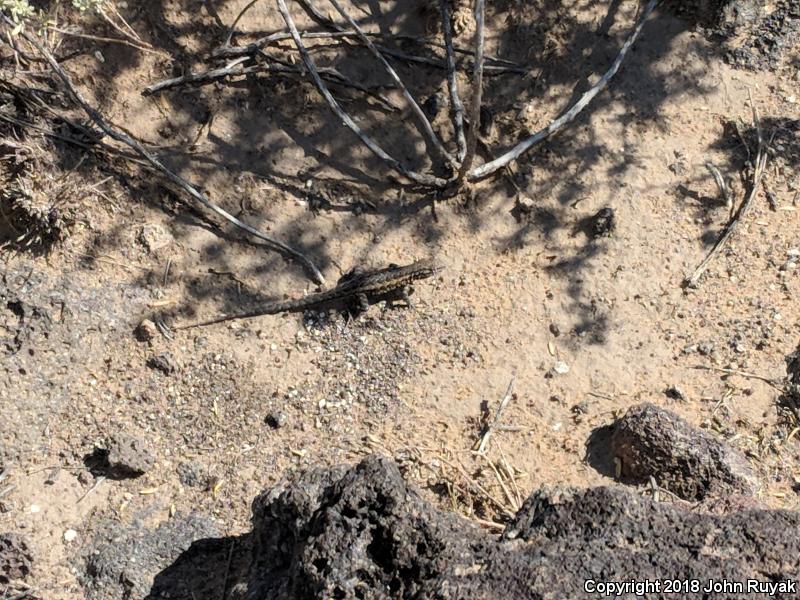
[420, 178]
[559, 123]
[496, 421]
[233, 69]
[107, 40]
[415, 108]
[456, 108]
[776, 383]
[120, 136]
[477, 93]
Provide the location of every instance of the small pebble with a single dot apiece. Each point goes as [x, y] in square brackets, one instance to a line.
[561, 368]
[276, 419]
[70, 535]
[146, 331]
[673, 392]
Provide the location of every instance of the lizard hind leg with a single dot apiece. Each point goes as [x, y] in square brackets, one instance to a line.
[404, 294]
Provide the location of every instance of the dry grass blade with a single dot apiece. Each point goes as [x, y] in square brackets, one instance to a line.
[571, 113]
[341, 114]
[493, 425]
[511, 499]
[506, 510]
[776, 383]
[124, 138]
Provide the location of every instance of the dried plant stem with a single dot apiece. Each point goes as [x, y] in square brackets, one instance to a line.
[341, 114]
[569, 115]
[106, 40]
[499, 66]
[124, 138]
[456, 107]
[124, 22]
[477, 93]
[496, 421]
[232, 30]
[234, 69]
[415, 108]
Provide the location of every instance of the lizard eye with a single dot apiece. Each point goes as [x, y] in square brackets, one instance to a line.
[394, 266]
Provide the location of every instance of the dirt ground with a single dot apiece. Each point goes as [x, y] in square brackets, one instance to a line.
[584, 326]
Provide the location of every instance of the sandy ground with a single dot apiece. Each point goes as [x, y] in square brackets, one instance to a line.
[585, 327]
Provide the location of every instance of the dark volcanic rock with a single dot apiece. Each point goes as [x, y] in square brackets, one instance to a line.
[765, 36]
[752, 34]
[163, 362]
[362, 533]
[652, 442]
[123, 560]
[15, 557]
[127, 456]
[603, 222]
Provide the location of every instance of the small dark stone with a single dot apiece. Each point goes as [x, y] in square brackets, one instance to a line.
[434, 104]
[15, 557]
[162, 362]
[582, 408]
[276, 419]
[145, 331]
[127, 456]
[555, 330]
[603, 222]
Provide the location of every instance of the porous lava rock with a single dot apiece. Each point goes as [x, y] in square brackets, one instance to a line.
[649, 441]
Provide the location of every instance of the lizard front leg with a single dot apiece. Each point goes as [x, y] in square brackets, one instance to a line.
[405, 294]
[359, 305]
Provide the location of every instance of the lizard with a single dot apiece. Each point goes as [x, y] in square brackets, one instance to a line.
[356, 290]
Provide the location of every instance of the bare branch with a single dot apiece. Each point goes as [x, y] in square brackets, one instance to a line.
[341, 114]
[569, 115]
[500, 66]
[232, 30]
[155, 162]
[423, 120]
[234, 70]
[456, 108]
[477, 92]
